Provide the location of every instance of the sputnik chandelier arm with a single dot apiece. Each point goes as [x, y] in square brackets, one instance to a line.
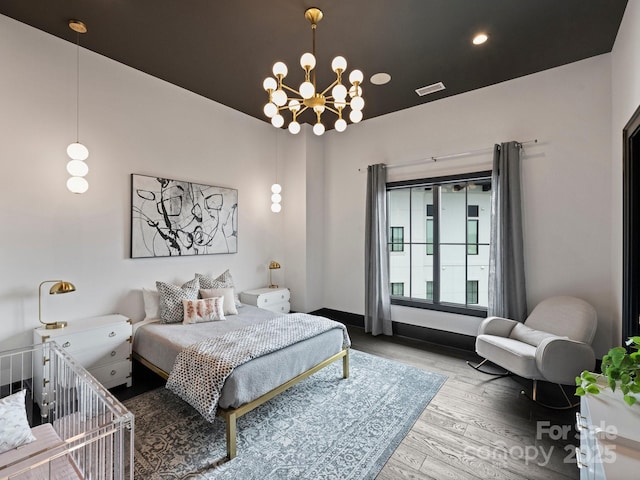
[333, 98]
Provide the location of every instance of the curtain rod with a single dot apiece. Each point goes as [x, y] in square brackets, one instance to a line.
[449, 156]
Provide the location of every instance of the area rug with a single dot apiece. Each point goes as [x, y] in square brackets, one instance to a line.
[325, 427]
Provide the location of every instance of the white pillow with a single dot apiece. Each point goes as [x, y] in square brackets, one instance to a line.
[203, 310]
[229, 305]
[14, 428]
[151, 300]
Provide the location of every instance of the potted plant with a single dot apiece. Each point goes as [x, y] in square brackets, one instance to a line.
[620, 370]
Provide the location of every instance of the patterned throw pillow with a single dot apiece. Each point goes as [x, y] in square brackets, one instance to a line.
[14, 428]
[203, 310]
[171, 296]
[229, 305]
[224, 280]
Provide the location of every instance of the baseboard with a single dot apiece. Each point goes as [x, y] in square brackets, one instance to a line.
[432, 335]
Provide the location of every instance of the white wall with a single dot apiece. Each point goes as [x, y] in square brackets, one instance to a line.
[566, 181]
[625, 67]
[132, 123]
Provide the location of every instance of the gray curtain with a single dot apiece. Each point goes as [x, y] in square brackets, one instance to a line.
[507, 294]
[377, 310]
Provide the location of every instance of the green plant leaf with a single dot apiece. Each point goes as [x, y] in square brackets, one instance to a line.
[618, 354]
[612, 384]
[593, 389]
[580, 391]
[589, 377]
[630, 399]
[625, 378]
[634, 387]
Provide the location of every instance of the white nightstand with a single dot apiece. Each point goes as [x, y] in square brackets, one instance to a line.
[102, 345]
[274, 299]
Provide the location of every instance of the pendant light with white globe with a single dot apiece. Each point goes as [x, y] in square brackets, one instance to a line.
[78, 153]
[332, 98]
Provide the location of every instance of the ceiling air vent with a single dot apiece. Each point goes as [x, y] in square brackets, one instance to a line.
[436, 87]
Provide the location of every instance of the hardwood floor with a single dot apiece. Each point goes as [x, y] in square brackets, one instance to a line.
[476, 427]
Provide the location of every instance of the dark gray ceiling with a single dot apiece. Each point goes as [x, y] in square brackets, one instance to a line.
[223, 50]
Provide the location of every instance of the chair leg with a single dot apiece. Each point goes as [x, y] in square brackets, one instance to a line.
[506, 373]
[534, 398]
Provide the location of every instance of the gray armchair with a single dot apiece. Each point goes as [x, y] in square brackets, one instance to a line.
[553, 344]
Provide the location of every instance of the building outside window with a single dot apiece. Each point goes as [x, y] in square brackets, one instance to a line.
[445, 228]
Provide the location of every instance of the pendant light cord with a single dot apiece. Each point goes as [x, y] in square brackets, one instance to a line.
[77, 87]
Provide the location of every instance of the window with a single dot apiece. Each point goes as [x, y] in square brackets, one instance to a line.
[472, 292]
[441, 249]
[397, 289]
[429, 236]
[472, 237]
[397, 239]
[429, 290]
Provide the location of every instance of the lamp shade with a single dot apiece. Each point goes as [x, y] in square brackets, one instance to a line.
[62, 287]
[274, 265]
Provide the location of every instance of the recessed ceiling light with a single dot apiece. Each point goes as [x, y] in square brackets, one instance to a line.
[480, 38]
[380, 78]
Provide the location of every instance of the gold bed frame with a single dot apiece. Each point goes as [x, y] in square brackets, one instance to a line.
[231, 415]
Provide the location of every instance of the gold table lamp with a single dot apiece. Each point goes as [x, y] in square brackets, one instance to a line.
[60, 286]
[273, 266]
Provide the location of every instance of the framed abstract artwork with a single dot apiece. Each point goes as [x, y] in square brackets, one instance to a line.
[172, 218]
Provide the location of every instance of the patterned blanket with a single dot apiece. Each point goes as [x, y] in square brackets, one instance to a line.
[201, 369]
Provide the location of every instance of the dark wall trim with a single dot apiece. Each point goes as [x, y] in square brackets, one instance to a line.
[631, 227]
[431, 335]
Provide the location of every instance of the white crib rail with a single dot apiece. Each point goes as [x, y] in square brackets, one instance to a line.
[97, 430]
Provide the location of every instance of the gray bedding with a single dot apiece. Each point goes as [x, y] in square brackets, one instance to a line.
[160, 344]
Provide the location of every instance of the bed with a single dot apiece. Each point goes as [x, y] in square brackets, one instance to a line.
[157, 345]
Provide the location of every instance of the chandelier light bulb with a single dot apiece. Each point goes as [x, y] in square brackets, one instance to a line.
[77, 151]
[339, 92]
[318, 108]
[339, 64]
[270, 84]
[318, 129]
[77, 168]
[270, 109]
[277, 121]
[340, 104]
[279, 97]
[307, 61]
[307, 90]
[280, 69]
[276, 207]
[355, 116]
[276, 188]
[276, 198]
[355, 92]
[356, 76]
[294, 127]
[77, 185]
[340, 125]
[294, 105]
[357, 103]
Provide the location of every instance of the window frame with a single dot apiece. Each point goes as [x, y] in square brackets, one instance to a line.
[436, 304]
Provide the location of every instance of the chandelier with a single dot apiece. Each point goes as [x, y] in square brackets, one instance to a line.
[307, 96]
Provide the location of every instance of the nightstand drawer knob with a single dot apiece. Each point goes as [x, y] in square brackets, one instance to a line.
[112, 334]
[113, 353]
[113, 372]
[66, 344]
